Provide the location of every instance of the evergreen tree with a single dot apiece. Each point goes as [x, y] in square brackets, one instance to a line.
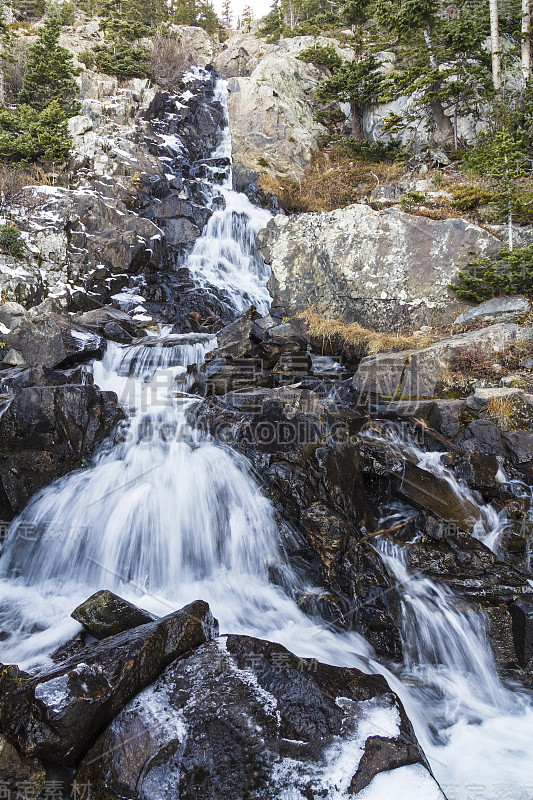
[441, 61]
[49, 73]
[227, 13]
[358, 83]
[28, 135]
[247, 19]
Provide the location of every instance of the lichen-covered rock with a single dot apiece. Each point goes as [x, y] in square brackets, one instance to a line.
[387, 270]
[418, 373]
[244, 718]
[58, 715]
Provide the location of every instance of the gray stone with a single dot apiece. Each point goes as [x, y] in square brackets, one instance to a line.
[502, 309]
[106, 614]
[270, 105]
[387, 270]
[417, 374]
[481, 396]
[11, 314]
[79, 125]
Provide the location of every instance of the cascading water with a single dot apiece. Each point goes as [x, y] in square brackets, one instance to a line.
[168, 515]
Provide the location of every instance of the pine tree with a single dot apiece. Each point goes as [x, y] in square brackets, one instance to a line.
[227, 13]
[357, 83]
[247, 19]
[49, 73]
[441, 61]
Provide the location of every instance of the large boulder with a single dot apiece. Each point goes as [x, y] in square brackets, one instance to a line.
[47, 431]
[195, 45]
[58, 715]
[44, 337]
[106, 614]
[244, 718]
[419, 373]
[387, 270]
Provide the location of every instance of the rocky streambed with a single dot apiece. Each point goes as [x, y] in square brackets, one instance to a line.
[171, 451]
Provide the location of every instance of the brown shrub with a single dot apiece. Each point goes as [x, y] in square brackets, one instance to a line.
[325, 331]
[14, 191]
[169, 62]
[333, 180]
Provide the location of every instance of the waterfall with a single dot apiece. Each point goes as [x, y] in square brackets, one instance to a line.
[166, 515]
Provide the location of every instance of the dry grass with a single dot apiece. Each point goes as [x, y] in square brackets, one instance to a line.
[502, 410]
[329, 331]
[13, 191]
[334, 180]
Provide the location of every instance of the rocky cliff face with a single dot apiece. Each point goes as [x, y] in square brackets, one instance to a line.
[270, 105]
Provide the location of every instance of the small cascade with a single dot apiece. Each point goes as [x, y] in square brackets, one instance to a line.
[490, 524]
[226, 256]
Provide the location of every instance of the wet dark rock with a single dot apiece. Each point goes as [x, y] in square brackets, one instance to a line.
[447, 416]
[47, 431]
[430, 492]
[241, 718]
[106, 614]
[44, 337]
[381, 754]
[114, 332]
[71, 648]
[255, 351]
[310, 466]
[99, 319]
[478, 470]
[466, 565]
[522, 616]
[501, 635]
[18, 773]
[58, 715]
[483, 436]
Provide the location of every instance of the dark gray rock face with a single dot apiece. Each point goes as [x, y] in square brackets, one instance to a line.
[106, 614]
[57, 716]
[240, 718]
[522, 616]
[47, 431]
[44, 337]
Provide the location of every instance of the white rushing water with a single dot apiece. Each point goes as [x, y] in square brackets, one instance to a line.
[167, 515]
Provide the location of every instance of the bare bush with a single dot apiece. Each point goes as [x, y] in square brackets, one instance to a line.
[169, 61]
[15, 191]
[15, 68]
